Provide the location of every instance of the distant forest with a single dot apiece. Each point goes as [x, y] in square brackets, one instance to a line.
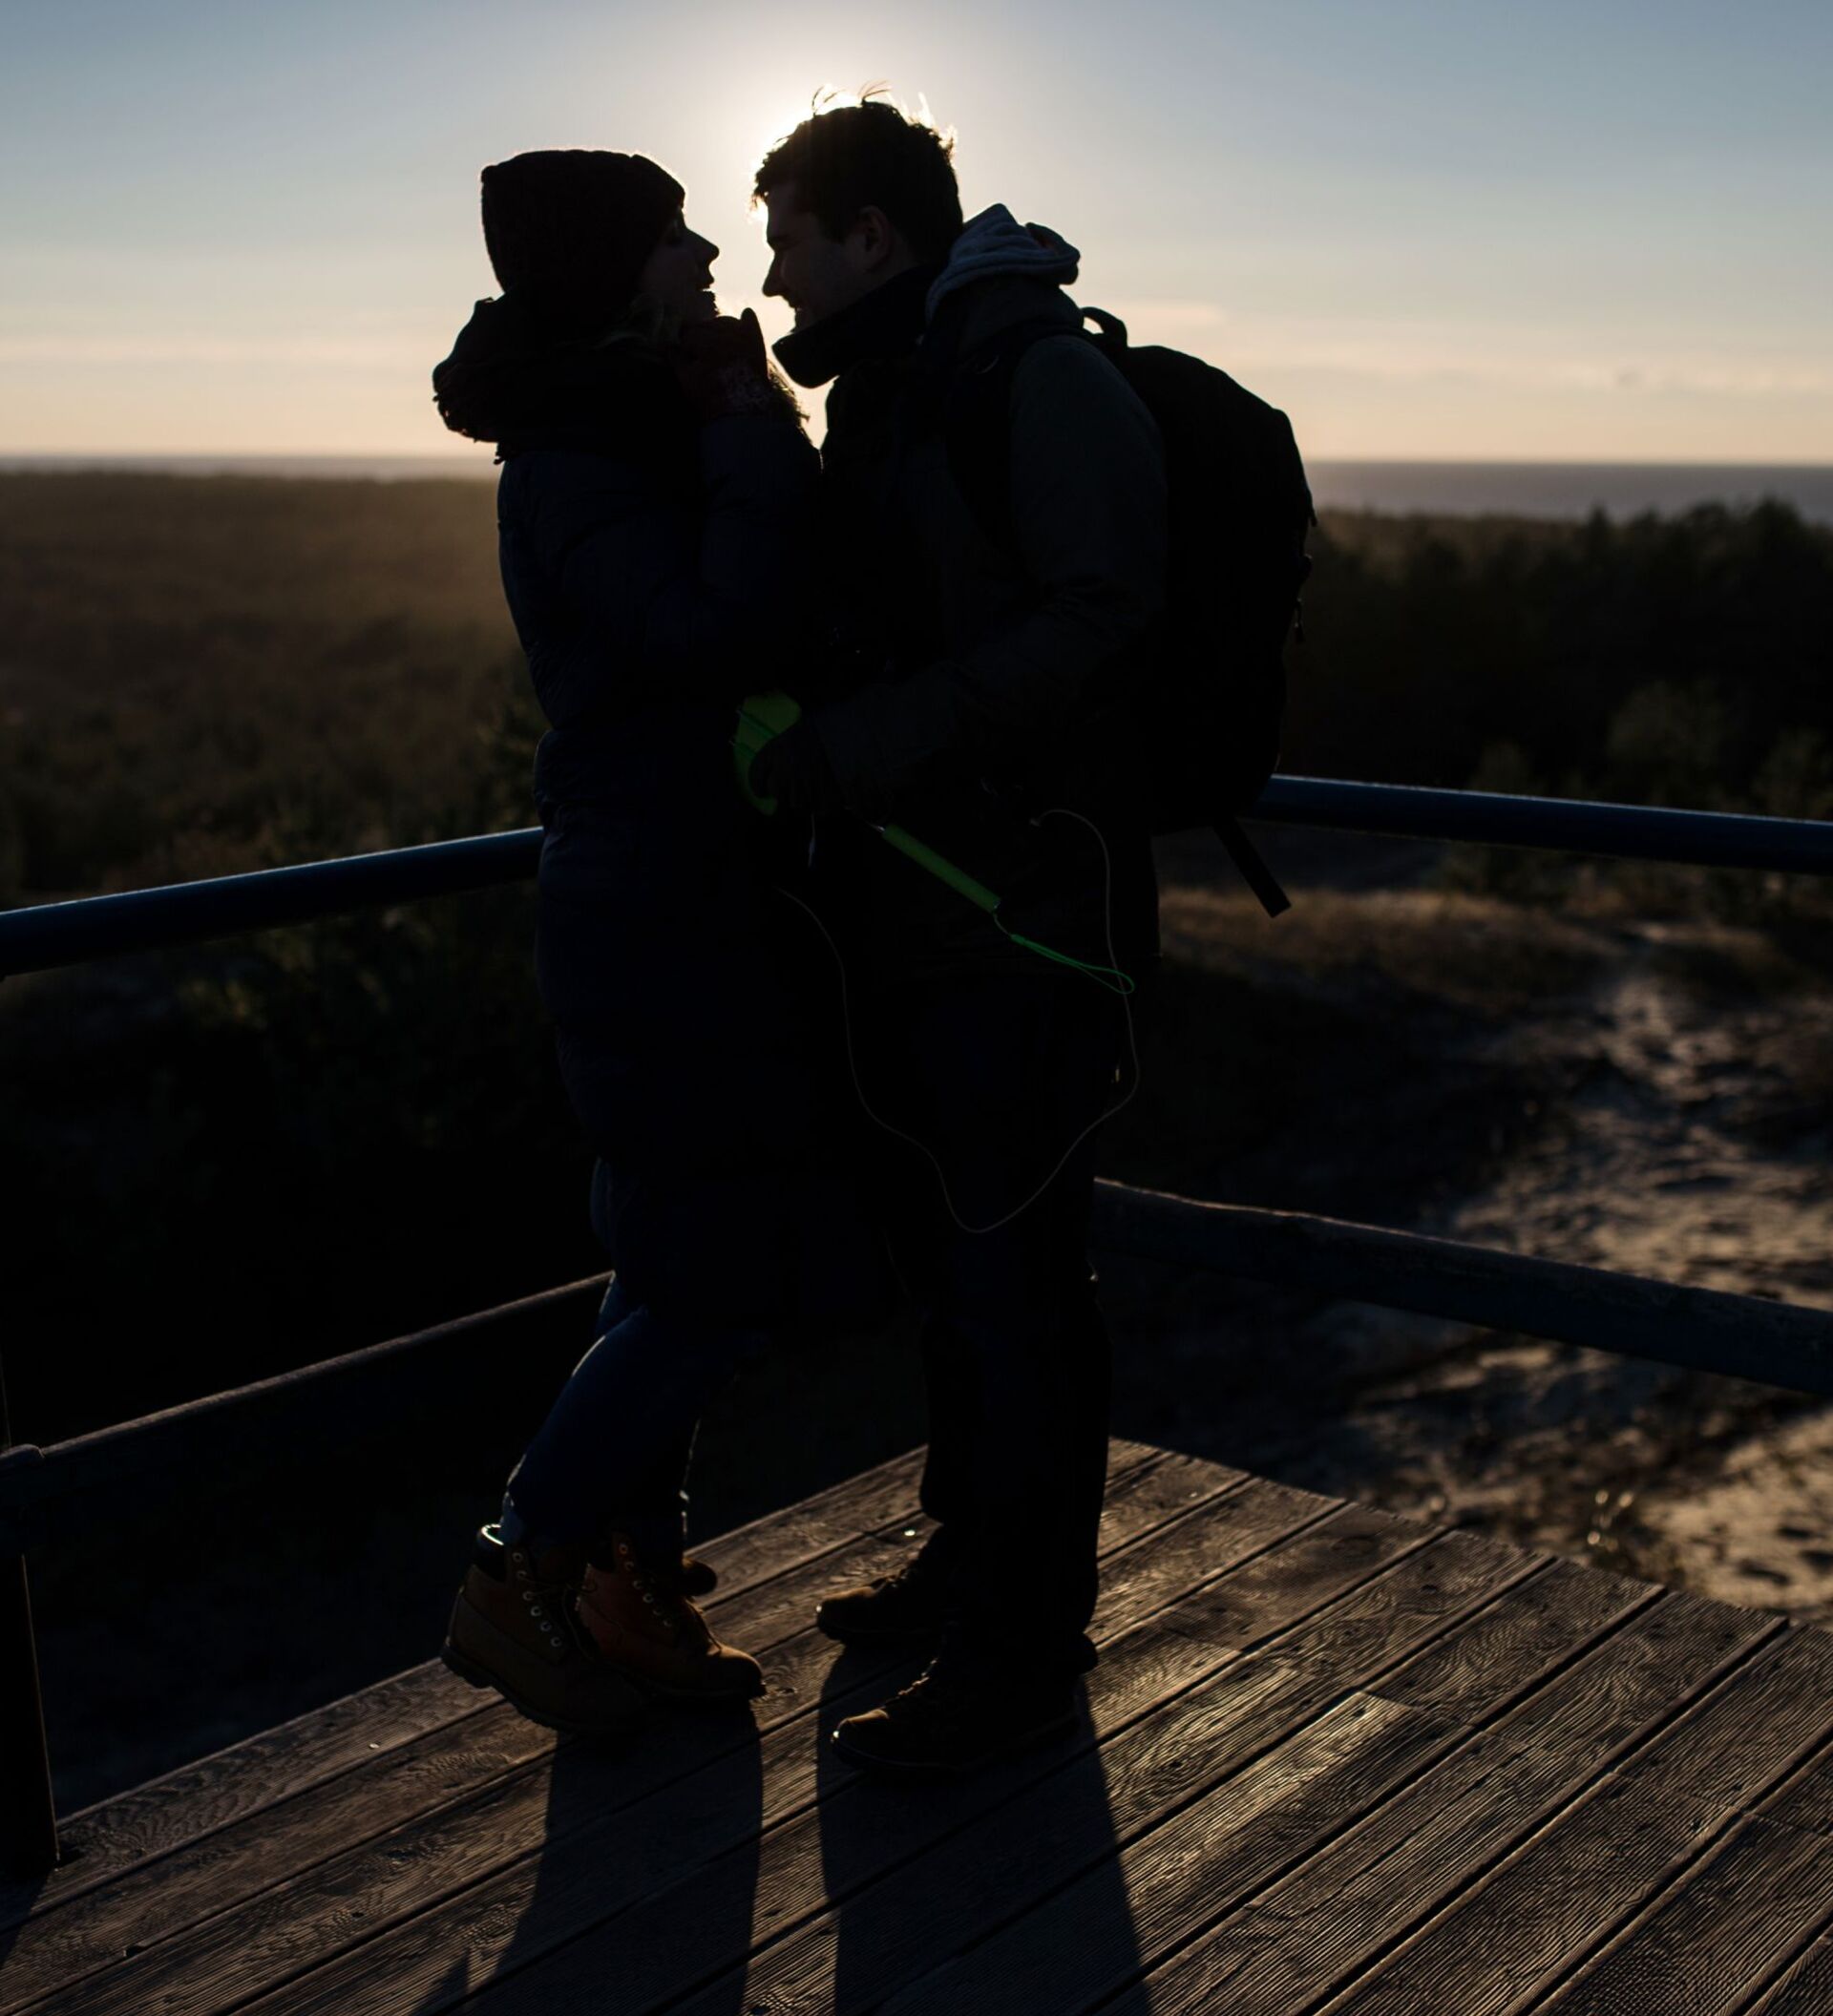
[203, 674]
[305, 1139]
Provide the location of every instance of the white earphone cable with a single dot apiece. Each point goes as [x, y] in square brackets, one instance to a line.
[1108, 890]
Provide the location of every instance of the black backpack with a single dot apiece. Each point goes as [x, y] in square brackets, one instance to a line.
[1239, 511]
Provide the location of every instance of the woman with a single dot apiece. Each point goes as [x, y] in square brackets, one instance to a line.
[652, 513]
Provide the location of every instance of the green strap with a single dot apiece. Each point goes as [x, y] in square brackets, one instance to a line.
[942, 868]
[978, 893]
[1063, 959]
[763, 716]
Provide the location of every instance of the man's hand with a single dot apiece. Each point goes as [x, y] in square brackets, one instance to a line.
[864, 753]
[792, 767]
[723, 369]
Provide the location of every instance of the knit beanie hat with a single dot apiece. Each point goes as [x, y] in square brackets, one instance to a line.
[575, 227]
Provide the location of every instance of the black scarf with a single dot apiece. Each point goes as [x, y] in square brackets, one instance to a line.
[888, 320]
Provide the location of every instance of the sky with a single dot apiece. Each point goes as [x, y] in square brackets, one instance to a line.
[1561, 231]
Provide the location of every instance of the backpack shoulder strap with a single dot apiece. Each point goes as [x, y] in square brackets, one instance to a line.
[975, 408]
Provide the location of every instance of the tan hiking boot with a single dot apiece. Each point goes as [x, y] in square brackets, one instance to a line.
[514, 1628]
[645, 1625]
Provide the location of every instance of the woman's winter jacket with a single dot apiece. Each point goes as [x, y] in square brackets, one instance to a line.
[655, 570]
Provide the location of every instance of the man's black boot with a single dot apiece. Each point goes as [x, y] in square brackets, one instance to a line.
[907, 1607]
[966, 1709]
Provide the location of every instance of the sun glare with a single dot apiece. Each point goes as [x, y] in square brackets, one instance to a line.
[830, 97]
[827, 99]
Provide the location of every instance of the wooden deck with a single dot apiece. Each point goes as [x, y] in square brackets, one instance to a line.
[1331, 1759]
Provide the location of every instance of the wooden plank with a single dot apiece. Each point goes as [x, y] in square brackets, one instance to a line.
[334, 1406]
[1706, 1329]
[672, 1870]
[189, 1805]
[878, 1877]
[157, 1899]
[1733, 1920]
[630, 1853]
[1311, 1932]
[28, 1808]
[382, 1786]
[354, 1890]
[1209, 1856]
[1806, 1988]
[1806, 1800]
[1534, 1920]
[1145, 1866]
[1751, 1734]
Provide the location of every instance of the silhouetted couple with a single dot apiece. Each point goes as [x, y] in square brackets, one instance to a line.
[671, 543]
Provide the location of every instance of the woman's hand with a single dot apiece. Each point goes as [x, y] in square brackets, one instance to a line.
[722, 368]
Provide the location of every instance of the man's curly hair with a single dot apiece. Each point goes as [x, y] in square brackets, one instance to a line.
[874, 154]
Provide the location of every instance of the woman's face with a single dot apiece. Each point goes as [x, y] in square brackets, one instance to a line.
[679, 273]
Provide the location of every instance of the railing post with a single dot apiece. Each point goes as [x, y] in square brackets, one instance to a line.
[28, 1812]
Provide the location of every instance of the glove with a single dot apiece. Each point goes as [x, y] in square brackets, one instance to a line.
[792, 767]
[722, 367]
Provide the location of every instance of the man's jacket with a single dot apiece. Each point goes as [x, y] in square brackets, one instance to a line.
[994, 661]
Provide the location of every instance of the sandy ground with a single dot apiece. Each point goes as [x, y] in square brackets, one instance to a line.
[1658, 1095]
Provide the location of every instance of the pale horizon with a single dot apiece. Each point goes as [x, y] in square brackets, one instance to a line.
[463, 453]
[1431, 236]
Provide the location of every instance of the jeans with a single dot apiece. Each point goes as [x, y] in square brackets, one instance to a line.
[613, 1454]
[995, 1074]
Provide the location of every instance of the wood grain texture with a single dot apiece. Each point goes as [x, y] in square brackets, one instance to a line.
[1735, 1919]
[621, 1863]
[1284, 1716]
[434, 1739]
[187, 1804]
[1066, 1952]
[346, 1886]
[1805, 1989]
[1199, 1863]
[157, 1894]
[1648, 1655]
[1332, 1763]
[857, 1829]
[1527, 1927]
[1805, 1798]
[350, 1733]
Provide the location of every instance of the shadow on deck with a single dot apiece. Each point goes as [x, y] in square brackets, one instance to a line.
[1330, 1756]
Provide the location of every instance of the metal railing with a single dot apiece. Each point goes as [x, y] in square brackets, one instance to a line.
[73, 1485]
[145, 920]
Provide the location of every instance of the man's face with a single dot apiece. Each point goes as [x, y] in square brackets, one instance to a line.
[816, 274]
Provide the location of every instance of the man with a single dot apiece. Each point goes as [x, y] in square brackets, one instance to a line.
[991, 635]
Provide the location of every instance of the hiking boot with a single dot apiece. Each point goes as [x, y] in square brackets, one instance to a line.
[643, 1623]
[514, 1629]
[698, 1578]
[906, 1605]
[964, 1711]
